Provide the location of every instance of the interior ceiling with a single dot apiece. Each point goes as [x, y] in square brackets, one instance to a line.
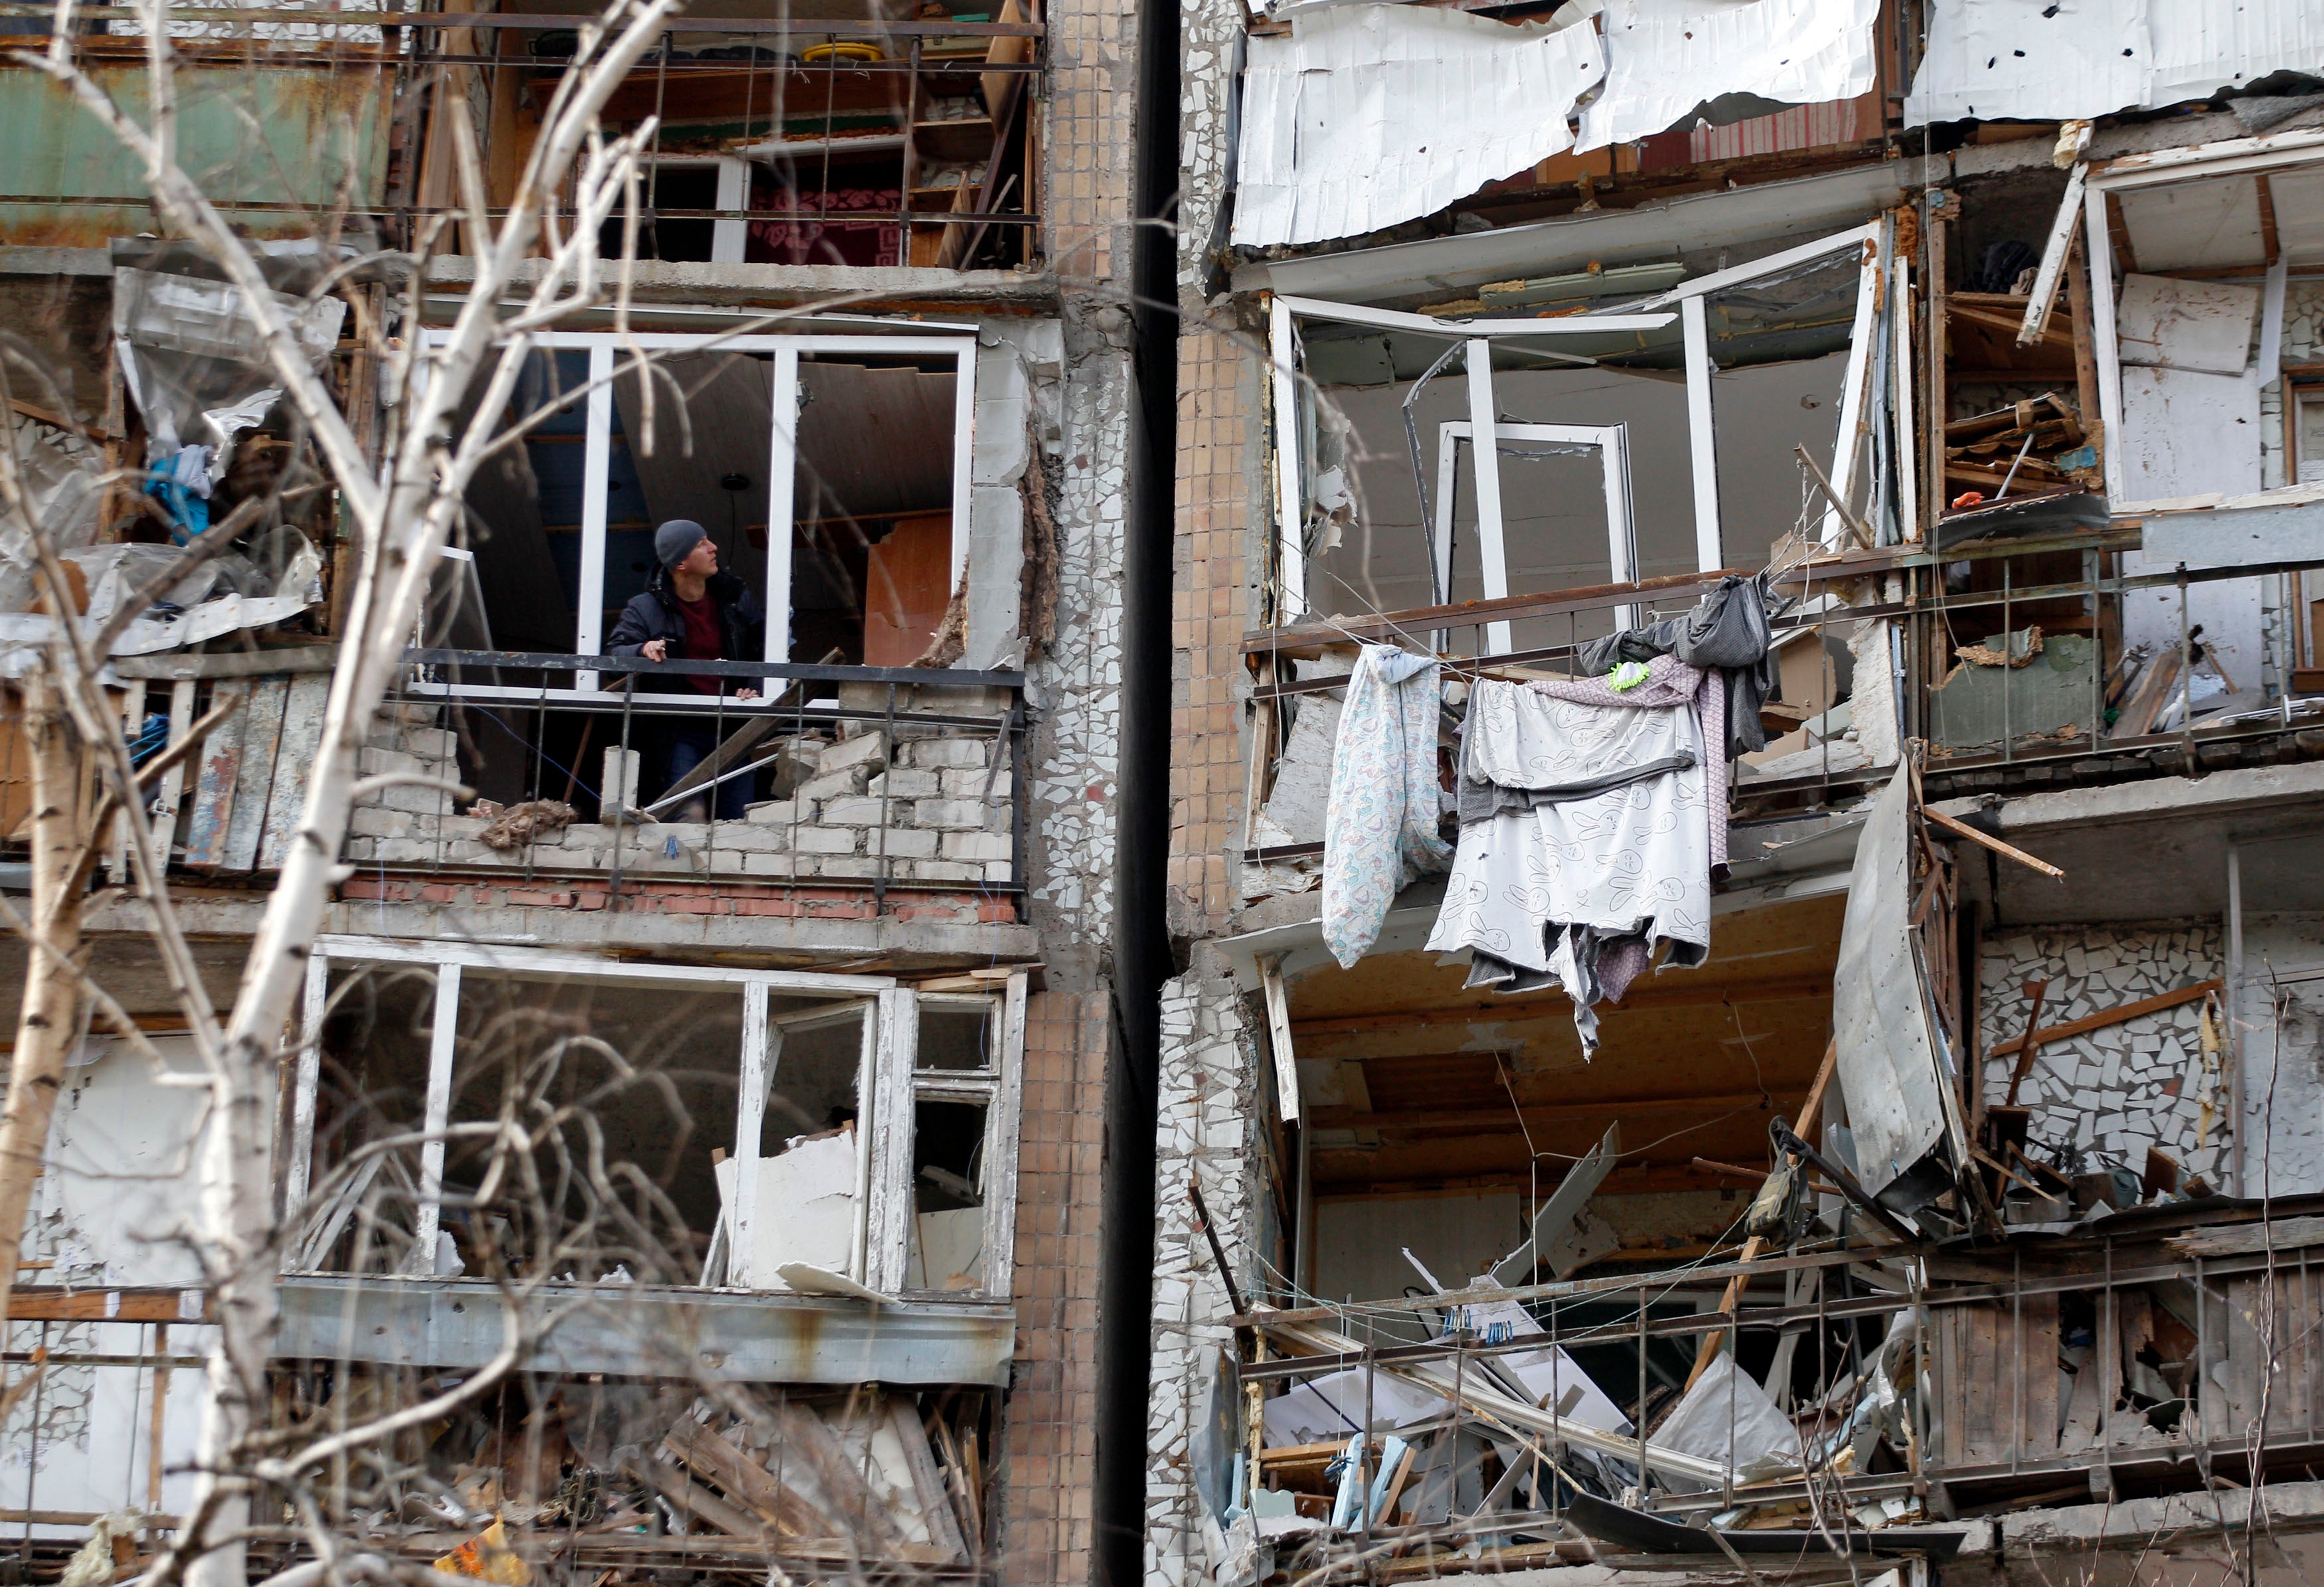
[2222, 223]
[1413, 1083]
[873, 442]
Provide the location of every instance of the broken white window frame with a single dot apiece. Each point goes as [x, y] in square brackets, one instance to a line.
[1684, 302]
[2168, 168]
[888, 1085]
[727, 237]
[607, 351]
[1612, 444]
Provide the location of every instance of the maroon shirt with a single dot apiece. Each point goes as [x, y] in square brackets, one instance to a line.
[704, 642]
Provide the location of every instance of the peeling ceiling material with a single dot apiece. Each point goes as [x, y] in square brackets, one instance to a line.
[1366, 115]
[1668, 57]
[1408, 1081]
[2006, 60]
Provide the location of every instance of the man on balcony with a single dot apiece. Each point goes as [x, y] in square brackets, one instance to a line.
[690, 610]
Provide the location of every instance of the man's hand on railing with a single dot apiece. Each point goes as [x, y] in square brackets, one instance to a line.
[658, 650]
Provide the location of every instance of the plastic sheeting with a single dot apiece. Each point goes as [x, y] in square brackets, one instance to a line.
[1367, 115]
[1668, 57]
[2005, 59]
[194, 361]
[1729, 1419]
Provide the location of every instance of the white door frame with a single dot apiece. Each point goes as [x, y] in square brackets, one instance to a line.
[1612, 441]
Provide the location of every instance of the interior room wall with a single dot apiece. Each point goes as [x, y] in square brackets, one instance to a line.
[1553, 519]
[1360, 1243]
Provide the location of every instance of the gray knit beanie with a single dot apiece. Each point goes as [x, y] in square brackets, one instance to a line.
[675, 541]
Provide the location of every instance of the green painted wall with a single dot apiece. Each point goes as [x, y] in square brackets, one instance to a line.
[251, 133]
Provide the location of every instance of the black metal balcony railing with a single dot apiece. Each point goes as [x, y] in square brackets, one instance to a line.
[2078, 688]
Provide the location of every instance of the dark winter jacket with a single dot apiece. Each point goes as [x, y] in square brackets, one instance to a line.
[653, 614]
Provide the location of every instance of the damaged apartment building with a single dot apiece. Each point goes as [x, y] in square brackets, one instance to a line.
[826, 935]
[1747, 793]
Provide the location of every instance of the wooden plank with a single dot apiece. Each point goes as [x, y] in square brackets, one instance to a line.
[1963, 829]
[1707, 1350]
[214, 783]
[44, 1304]
[295, 755]
[172, 788]
[253, 777]
[2049, 1034]
[716, 1458]
[927, 1483]
[133, 721]
[171, 666]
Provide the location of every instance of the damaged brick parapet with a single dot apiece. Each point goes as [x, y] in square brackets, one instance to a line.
[657, 896]
[1209, 1107]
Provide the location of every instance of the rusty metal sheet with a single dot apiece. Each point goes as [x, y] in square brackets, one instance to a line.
[305, 127]
[458, 1324]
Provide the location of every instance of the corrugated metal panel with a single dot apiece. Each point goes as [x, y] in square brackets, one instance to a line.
[1899, 1104]
[252, 134]
[1370, 115]
[2005, 59]
[1788, 131]
[1665, 57]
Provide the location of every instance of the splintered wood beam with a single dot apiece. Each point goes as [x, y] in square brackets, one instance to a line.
[2050, 1034]
[1963, 829]
[2027, 1044]
[1708, 1351]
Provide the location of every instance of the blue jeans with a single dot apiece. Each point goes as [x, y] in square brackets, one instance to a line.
[690, 744]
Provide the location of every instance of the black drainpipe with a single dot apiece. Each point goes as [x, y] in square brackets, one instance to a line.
[1142, 808]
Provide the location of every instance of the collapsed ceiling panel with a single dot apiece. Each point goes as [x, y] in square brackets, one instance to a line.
[2078, 59]
[1669, 57]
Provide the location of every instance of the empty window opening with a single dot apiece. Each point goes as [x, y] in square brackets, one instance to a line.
[761, 1131]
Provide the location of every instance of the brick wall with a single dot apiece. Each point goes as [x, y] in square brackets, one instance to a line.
[1051, 1436]
[1219, 504]
[1089, 143]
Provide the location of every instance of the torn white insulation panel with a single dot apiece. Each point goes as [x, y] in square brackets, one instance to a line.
[1452, 1382]
[1668, 57]
[1366, 115]
[2005, 59]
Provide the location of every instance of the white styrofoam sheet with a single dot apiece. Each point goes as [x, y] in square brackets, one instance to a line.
[2197, 224]
[2010, 58]
[1366, 115]
[2188, 434]
[2201, 327]
[1665, 57]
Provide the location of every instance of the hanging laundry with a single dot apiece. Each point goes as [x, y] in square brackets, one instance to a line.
[1379, 823]
[1591, 824]
[1728, 630]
